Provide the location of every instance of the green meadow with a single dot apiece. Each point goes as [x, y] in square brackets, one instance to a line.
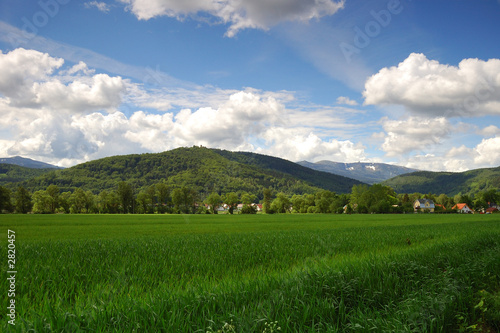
[253, 273]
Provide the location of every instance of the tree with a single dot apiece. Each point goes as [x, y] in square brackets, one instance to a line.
[5, 203]
[143, 202]
[53, 192]
[163, 195]
[108, 202]
[281, 204]
[231, 199]
[214, 200]
[267, 201]
[42, 202]
[152, 199]
[126, 197]
[23, 200]
[184, 200]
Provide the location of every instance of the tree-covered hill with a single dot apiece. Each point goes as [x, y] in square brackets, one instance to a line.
[202, 169]
[449, 183]
[10, 173]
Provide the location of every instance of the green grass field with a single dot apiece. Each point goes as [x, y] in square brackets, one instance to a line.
[301, 273]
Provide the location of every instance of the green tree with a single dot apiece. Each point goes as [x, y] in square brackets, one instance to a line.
[143, 203]
[108, 202]
[281, 204]
[126, 197]
[184, 200]
[5, 201]
[23, 200]
[231, 199]
[42, 202]
[53, 191]
[164, 199]
[214, 200]
[266, 205]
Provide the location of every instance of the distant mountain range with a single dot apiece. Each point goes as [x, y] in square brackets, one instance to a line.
[27, 163]
[207, 170]
[370, 173]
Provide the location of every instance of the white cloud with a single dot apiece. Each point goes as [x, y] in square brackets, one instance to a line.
[489, 131]
[101, 6]
[240, 14]
[297, 144]
[413, 134]
[28, 80]
[243, 115]
[346, 101]
[488, 152]
[427, 87]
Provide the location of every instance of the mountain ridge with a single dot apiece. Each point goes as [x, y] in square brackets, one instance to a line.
[27, 163]
[203, 169]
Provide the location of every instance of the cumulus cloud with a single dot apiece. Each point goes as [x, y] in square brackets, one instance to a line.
[415, 133]
[427, 87]
[298, 144]
[28, 80]
[240, 14]
[489, 131]
[244, 114]
[69, 114]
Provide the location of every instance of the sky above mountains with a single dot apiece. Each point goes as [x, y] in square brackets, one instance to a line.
[415, 83]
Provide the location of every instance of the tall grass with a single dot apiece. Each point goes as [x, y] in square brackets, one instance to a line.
[321, 277]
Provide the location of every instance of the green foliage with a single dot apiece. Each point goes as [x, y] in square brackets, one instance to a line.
[450, 183]
[23, 201]
[214, 200]
[374, 199]
[201, 169]
[5, 200]
[10, 173]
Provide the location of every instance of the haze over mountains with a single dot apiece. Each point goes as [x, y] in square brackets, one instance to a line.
[370, 173]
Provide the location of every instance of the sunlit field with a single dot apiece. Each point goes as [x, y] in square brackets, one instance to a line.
[258, 273]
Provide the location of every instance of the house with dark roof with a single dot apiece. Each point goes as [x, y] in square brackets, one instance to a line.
[424, 205]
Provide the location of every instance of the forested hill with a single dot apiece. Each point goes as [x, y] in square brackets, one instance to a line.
[449, 183]
[10, 173]
[202, 169]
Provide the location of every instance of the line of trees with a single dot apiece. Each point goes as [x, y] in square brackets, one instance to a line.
[161, 199]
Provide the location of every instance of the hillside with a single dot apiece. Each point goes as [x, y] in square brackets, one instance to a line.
[370, 173]
[27, 163]
[449, 183]
[10, 173]
[205, 170]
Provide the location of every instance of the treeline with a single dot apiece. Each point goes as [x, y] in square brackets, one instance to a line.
[161, 198]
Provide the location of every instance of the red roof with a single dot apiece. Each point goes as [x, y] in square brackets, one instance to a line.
[460, 206]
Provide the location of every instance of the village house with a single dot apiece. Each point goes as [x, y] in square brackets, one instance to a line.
[424, 205]
[463, 208]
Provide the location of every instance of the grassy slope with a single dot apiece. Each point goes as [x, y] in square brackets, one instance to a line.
[449, 183]
[189, 273]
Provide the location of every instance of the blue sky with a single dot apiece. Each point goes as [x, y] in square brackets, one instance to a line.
[415, 83]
